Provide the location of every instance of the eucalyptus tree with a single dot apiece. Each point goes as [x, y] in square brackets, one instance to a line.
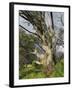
[44, 32]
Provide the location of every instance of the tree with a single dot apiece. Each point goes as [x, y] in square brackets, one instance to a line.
[46, 35]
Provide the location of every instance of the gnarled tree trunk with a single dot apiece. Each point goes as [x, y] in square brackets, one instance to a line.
[45, 34]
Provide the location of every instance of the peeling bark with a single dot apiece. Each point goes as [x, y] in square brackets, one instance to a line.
[37, 19]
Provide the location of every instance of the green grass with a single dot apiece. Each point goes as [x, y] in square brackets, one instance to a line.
[31, 71]
[58, 69]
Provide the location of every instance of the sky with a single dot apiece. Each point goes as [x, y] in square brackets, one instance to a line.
[56, 19]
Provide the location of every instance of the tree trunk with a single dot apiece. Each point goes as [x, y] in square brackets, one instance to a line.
[47, 56]
[47, 60]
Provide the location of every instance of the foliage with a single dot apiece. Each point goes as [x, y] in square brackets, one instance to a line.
[26, 46]
[58, 69]
[31, 71]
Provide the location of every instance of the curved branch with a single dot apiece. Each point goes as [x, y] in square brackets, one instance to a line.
[28, 16]
[30, 31]
[59, 38]
[23, 17]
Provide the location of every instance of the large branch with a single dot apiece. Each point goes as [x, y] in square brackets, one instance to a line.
[35, 18]
[30, 31]
[23, 17]
[28, 16]
[41, 47]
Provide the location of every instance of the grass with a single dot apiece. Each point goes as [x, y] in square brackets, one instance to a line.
[32, 71]
[58, 69]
